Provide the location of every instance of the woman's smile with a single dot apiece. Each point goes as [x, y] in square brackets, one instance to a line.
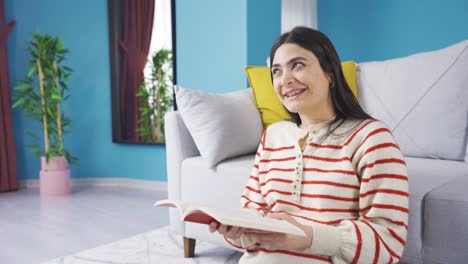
[293, 94]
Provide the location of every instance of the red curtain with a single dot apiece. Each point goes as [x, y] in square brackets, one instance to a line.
[8, 170]
[137, 25]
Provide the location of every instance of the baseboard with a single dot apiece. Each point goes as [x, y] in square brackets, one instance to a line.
[107, 182]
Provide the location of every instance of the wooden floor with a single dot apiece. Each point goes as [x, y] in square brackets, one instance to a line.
[33, 230]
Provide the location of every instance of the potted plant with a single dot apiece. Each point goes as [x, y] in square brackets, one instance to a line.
[155, 97]
[40, 95]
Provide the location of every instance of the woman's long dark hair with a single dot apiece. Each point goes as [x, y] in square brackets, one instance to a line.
[345, 103]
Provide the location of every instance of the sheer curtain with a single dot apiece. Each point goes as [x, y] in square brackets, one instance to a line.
[8, 170]
[298, 13]
[162, 30]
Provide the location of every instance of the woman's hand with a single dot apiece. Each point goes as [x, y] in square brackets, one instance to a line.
[232, 232]
[279, 240]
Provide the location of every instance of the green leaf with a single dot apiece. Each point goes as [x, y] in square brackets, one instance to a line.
[60, 45]
[31, 71]
[32, 134]
[18, 103]
[22, 86]
[49, 111]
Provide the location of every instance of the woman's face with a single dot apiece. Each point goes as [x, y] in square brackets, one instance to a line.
[299, 81]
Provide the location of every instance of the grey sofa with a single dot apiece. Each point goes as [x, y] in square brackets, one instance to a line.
[434, 147]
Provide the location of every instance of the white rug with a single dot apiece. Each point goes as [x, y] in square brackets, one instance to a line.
[157, 246]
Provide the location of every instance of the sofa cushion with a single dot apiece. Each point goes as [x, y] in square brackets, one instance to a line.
[222, 125]
[267, 102]
[425, 175]
[423, 98]
[446, 226]
[349, 70]
[269, 105]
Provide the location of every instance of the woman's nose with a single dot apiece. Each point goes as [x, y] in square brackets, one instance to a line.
[287, 78]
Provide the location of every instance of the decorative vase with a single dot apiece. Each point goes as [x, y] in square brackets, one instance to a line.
[54, 177]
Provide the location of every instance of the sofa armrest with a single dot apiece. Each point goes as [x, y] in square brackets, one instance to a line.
[179, 146]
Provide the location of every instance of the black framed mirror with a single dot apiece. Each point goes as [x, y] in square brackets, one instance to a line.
[143, 68]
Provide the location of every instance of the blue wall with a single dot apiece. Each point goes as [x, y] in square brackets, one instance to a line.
[264, 26]
[368, 30]
[211, 44]
[211, 55]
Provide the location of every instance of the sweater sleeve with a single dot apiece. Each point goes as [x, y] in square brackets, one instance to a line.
[252, 198]
[379, 233]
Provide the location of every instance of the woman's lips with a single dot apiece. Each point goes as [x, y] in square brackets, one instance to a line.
[294, 93]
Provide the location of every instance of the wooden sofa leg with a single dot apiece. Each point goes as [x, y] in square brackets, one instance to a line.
[189, 247]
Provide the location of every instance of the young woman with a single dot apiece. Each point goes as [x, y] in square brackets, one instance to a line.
[332, 170]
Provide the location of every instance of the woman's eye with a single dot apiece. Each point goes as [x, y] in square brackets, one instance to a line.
[274, 72]
[297, 65]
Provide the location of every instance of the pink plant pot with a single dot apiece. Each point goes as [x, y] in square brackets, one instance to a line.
[54, 177]
[54, 164]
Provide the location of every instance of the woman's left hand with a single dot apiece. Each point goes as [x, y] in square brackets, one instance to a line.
[280, 240]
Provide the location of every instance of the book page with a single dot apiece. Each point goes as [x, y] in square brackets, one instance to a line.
[181, 206]
[187, 212]
[249, 218]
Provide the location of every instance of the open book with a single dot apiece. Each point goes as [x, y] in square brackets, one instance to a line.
[247, 218]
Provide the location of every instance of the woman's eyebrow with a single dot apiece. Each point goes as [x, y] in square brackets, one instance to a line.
[290, 61]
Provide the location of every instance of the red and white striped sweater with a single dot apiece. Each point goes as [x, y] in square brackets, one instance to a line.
[351, 187]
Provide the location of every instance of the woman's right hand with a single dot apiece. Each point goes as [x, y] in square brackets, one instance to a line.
[231, 232]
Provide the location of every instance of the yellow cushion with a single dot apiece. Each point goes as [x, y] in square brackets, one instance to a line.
[267, 102]
[349, 70]
[270, 107]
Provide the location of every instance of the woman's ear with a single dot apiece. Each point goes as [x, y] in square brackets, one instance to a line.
[330, 80]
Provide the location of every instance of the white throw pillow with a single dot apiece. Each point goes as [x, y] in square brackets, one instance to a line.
[423, 98]
[222, 125]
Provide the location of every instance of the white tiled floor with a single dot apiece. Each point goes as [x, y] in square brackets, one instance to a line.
[34, 230]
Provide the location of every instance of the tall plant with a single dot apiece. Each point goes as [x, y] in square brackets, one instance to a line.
[155, 96]
[41, 93]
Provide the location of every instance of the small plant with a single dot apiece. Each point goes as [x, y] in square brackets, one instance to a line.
[41, 93]
[155, 95]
